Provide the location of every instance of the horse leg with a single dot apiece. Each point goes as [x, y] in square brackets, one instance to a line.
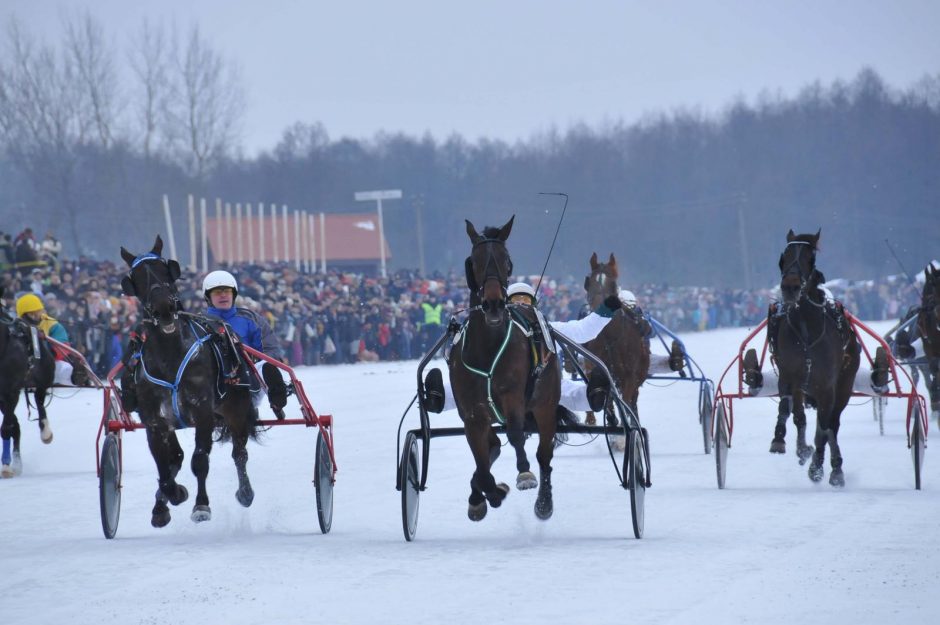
[245, 494]
[167, 454]
[483, 486]
[45, 430]
[819, 454]
[525, 480]
[779, 443]
[200, 468]
[803, 451]
[11, 464]
[824, 410]
[544, 507]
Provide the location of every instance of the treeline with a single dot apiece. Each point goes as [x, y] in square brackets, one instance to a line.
[682, 198]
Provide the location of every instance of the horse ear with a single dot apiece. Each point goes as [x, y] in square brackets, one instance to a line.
[158, 246]
[816, 239]
[472, 232]
[506, 229]
[127, 286]
[594, 262]
[791, 236]
[174, 268]
[128, 257]
[612, 264]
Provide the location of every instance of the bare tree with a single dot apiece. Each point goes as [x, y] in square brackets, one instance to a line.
[150, 63]
[93, 63]
[207, 106]
[41, 120]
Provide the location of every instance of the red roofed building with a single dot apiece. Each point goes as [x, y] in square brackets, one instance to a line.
[340, 241]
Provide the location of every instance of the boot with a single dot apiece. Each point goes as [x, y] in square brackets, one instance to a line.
[752, 374]
[277, 390]
[598, 390]
[879, 373]
[677, 358]
[433, 399]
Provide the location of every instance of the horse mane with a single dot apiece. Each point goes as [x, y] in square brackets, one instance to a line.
[491, 232]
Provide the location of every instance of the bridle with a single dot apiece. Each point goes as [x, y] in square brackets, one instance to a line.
[606, 284]
[794, 266]
[154, 282]
[496, 273]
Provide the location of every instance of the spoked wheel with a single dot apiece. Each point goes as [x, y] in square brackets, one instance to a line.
[878, 404]
[635, 460]
[109, 485]
[722, 437]
[323, 481]
[917, 443]
[410, 478]
[705, 416]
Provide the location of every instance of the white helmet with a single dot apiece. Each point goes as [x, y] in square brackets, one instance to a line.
[627, 297]
[521, 287]
[216, 279]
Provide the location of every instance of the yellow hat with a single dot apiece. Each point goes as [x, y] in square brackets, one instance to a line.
[27, 304]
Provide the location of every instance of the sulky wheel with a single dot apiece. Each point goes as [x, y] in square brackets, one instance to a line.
[635, 465]
[323, 480]
[109, 485]
[917, 443]
[705, 416]
[721, 444]
[878, 404]
[410, 478]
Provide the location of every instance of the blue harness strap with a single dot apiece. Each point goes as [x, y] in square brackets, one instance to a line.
[174, 387]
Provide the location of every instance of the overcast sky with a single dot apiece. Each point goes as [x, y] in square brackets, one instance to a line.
[509, 68]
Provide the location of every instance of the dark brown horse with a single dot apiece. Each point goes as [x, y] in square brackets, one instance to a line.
[816, 354]
[498, 375]
[26, 362]
[622, 344]
[176, 385]
[928, 327]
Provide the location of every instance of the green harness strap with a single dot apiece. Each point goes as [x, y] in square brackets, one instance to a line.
[489, 374]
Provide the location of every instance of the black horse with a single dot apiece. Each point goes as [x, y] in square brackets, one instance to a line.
[499, 374]
[928, 327]
[622, 344]
[177, 386]
[816, 353]
[26, 362]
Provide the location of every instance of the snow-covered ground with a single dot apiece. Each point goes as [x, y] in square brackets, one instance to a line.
[770, 548]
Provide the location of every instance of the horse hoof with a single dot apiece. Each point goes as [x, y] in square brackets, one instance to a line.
[14, 468]
[46, 434]
[544, 509]
[778, 446]
[805, 454]
[180, 496]
[837, 478]
[526, 480]
[6, 471]
[201, 513]
[477, 512]
[496, 499]
[160, 519]
[815, 472]
[245, 496]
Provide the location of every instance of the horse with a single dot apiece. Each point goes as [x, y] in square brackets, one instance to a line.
[177, 385]
[20, 369]
[928, 327]
[816, 353]
[622, 345]
[498, 374]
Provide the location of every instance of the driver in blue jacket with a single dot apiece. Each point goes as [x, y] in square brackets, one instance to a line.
[220, 290]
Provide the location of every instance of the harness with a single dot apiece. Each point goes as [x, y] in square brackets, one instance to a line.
[514, 320]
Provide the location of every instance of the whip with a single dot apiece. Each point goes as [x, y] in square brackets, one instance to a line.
[560, 219]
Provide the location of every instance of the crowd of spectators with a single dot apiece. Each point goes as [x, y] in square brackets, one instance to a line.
[339, 317]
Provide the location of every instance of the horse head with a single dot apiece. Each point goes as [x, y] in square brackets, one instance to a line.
[152, 280]
[602, 281]
[489, 268]
[798, 273]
